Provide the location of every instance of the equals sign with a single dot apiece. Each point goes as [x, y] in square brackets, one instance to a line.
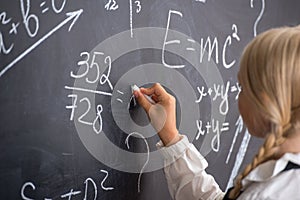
[118, 99]
[225, 127]
[236, 87]
[42, 5]
[191, 48]
[233, 88]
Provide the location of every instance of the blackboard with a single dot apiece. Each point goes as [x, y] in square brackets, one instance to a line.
[65, 73]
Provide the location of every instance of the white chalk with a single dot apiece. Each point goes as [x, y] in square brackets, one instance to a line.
[136, 88]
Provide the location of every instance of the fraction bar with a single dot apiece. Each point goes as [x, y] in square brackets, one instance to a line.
[87, 90]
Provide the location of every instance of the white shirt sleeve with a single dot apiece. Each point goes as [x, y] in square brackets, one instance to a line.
[185, 173]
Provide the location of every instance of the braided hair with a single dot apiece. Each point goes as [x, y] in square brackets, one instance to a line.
[270, 76]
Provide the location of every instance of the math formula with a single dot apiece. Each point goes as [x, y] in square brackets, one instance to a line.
[89, 185]
[31, 23]
[66, 71]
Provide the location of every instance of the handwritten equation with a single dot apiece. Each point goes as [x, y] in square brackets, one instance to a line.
[30, 21]
[96, 69]
[92, 74]
[88, 183]
[219, 92]
[206, 45]
[92, 63]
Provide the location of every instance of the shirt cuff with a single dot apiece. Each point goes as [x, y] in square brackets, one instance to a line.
[174, 151]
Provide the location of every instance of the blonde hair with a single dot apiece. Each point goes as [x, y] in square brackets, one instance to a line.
[270, 73]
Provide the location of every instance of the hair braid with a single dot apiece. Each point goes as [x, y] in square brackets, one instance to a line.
[266, 152]
[273, 85]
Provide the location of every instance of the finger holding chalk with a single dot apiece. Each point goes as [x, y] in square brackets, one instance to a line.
[136, 88]
[162, 112]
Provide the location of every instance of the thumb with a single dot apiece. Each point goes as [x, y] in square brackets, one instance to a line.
[142, 100]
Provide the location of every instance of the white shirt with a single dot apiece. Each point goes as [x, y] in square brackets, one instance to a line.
[187, 179]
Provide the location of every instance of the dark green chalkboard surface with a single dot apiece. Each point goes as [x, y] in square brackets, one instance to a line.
[66, 67]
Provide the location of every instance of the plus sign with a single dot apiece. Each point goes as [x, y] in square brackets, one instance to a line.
[208, 127]
[14, 28]
[209, 91]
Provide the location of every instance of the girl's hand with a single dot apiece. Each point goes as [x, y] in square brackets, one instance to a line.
[162, 114]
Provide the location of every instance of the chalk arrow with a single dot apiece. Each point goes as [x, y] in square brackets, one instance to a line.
[239, 127]
[239, 124]
[72, 16]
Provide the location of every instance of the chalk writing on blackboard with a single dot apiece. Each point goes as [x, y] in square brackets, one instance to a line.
[210, 127]
[202, 1]
[138, 9]
[121, 93]
[104, 179]
[219, 92]
[147, 159]
[87, 80]
[259, 16]
[111, 5]
[91, 65]
[211, 53]
[239, 158]
[210, 45]
[98, 118]
[31, 23]
[92, 62]
[30, 186]
[239, 128]
[138, 6]
[169, 42]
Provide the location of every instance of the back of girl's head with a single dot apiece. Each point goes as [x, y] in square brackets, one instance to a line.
[270, 75]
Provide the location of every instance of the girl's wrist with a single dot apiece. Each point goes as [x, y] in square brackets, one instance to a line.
[169, 138]
[176, 139]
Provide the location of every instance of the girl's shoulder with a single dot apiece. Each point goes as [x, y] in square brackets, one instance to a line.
[274, 180]
[283, 186]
